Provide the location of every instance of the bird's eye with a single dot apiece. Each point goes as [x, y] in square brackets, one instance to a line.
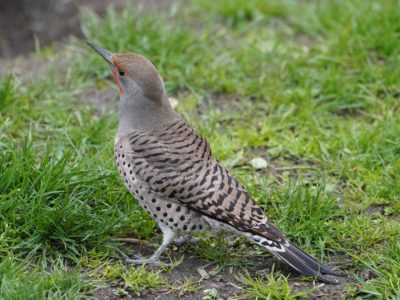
[121, 72]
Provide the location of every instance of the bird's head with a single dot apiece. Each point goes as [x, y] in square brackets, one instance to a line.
[133, 73]
[143, 96]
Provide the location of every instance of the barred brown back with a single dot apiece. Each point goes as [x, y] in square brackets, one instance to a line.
[176, 164]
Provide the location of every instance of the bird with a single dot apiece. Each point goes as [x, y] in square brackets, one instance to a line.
[169, 168]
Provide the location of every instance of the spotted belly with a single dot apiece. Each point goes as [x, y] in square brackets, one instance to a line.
[167, 212]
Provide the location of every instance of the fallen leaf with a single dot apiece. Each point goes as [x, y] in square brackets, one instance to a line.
[203, 273]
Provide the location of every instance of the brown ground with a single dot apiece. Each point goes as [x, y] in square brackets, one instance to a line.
[225, 281]
[26, 25]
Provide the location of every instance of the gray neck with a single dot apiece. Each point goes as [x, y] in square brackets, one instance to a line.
[138, 113]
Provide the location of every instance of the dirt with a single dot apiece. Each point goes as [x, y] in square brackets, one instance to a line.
[380, 210]
[27, 25]
[375, 210]
[225, 281]
[102, 99]
[351, 112]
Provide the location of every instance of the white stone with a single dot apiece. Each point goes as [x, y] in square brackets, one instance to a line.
[174, 102]
[259, 163]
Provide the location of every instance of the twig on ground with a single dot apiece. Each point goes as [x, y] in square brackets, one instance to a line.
[134, 241]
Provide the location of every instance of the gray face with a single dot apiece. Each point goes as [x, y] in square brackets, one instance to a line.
[144, 104]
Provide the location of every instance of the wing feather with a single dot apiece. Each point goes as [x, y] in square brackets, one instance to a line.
[177, 164]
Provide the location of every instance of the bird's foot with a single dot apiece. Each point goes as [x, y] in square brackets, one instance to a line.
[152, 261]
[186, 239]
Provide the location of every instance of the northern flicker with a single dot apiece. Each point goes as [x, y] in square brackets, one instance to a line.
[170, 170]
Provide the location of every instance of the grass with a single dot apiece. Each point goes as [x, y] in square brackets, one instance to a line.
[274, 287]
[20, 281]
[315, 93]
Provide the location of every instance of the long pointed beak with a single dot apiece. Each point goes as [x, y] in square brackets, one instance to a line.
[103, 52]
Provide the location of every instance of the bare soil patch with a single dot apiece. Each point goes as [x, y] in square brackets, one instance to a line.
[27, 25]
[226, 281]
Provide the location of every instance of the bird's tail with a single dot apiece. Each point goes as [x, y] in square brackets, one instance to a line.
[298, 260]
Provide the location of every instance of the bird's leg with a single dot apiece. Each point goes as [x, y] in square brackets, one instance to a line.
[168, 237]
[185, 239]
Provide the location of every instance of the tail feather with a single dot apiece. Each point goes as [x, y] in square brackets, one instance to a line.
[301, 261]
[302, 266]
[312, 262]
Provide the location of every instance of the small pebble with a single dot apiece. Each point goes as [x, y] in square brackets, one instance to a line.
[258, 163]
[174, 102]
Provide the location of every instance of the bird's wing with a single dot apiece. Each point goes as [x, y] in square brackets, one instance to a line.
[176, 163]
